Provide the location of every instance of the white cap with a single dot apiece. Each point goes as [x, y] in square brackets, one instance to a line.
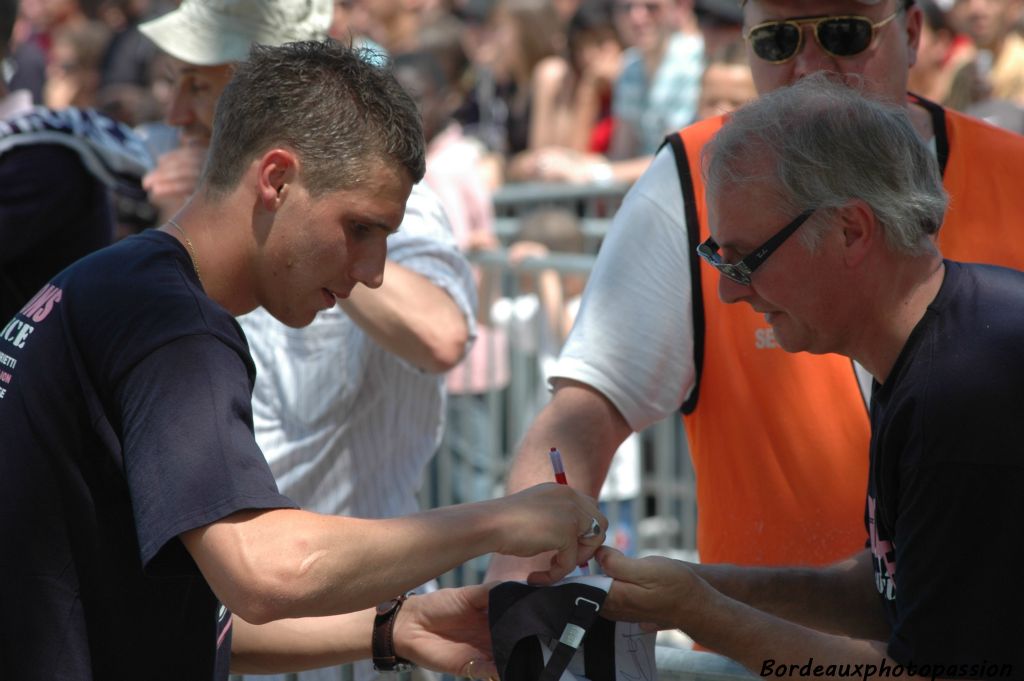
[213, 32]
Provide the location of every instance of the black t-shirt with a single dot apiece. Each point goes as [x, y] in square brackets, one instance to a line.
[125, 420]
[946, 487]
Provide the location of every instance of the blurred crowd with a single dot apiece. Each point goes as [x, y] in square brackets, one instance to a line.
[542, 90]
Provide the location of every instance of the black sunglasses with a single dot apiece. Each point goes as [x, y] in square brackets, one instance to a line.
[740, 271]
[841, 36]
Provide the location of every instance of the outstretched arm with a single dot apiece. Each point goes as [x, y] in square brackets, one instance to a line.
[269, 565]
[672, 594]
[841, 598]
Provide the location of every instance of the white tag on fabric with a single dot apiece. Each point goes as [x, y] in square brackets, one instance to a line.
[572, 635]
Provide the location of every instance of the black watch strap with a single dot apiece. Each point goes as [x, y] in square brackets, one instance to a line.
[383, 641]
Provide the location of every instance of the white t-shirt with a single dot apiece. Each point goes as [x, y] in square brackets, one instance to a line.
[633, 338]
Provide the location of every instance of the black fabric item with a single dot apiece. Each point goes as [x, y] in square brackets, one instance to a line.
[521, 616]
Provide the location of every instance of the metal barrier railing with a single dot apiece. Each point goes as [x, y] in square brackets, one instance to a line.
[598, 199]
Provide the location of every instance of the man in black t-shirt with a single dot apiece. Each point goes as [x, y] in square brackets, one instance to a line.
[138, 512]
[823, 208]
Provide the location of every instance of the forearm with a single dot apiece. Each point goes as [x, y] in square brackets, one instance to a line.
[283, 563]
[411, 317]
[672, 594]
[765, 643]
[293, 645]
[584, 426]
[287, 563]
[840, 599]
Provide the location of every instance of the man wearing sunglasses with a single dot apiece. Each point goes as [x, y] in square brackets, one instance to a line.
[937, 592]
[777, 440]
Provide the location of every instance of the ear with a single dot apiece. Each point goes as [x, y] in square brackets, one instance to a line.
[277, 170]
[914, 20]
[860, 231]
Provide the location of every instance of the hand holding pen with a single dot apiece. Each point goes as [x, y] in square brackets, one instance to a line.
[595, 526]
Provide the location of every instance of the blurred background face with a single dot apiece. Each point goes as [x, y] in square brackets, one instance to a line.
[882, 68]
[433, 104]
[645, 24]
[73, 65]
[194, 98]
[988, 21]
[725, 88]
[597, 51]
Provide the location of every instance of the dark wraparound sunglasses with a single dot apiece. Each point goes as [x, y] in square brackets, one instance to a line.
[740, 271]
[841, 36]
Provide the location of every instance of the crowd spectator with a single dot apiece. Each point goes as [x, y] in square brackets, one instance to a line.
[992, 84]
[995, 27]
[73, 70]
[720, 22]
[126, 92]
[941, 53]
[519, 34]
[655, 92]
[727, 83]
[572, 95]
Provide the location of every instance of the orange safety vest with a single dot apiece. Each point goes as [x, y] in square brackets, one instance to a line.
[779, 441]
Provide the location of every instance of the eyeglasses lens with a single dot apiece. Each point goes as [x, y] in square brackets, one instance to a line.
[845, 37]
[775, 42]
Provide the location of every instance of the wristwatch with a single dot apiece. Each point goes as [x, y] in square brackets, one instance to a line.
[383, 642]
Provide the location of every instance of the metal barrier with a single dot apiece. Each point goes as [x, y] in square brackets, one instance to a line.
[599, 199]
[594, 204]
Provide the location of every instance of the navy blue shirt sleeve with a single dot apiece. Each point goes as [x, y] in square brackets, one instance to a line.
[190, 456]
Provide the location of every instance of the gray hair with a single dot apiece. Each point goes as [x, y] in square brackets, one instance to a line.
[340, 113]
[822, 143]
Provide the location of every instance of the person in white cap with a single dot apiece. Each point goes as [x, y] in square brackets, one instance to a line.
[143, 533]
[350, 409]
[206, 38]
